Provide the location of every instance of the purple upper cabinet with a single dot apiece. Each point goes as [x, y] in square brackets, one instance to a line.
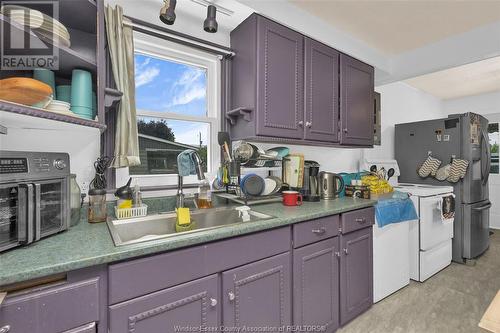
[321, 92]
[267, 80]
[258, 294]
[356, 102]
[316, 284]
[356, 274]
[193, 304]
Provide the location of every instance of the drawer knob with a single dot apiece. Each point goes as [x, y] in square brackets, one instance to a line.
[319, 231]
[360, 220]
[308, 124]
[231, 296]
[300, 123]
[213, 302]
[346, 251]
[5, 329]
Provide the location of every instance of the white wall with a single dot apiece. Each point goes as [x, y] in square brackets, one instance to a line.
[35, 134]
[487, 105]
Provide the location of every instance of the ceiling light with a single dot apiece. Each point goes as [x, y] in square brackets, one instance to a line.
[167, 12]
[210, 24]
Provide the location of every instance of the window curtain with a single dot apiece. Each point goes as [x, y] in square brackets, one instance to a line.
[121, 50]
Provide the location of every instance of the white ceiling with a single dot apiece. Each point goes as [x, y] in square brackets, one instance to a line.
[471, 79]
[396, 26]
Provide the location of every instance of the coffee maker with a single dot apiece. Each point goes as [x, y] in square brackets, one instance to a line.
[310, 188]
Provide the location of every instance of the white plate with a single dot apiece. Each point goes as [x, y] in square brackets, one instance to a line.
[37, 20]
[269, 186]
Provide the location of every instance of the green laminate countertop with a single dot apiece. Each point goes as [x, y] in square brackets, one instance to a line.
[86, 245]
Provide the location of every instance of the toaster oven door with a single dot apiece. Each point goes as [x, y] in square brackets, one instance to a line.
[51, 207]
[16, 214]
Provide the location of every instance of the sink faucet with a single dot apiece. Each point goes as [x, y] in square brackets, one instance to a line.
[198, 163]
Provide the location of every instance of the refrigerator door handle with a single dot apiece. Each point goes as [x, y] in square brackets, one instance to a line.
[478, 209]
[486, 154]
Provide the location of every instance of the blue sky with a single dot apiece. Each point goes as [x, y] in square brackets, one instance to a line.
[165, 86]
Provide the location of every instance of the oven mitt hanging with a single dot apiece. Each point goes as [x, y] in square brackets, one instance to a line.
[443, 172]
[457, 170]
[429, 167]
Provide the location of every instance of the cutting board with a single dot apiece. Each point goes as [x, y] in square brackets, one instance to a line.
[24, 90]
[491, 318]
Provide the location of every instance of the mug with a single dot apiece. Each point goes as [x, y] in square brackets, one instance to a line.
[292, 198]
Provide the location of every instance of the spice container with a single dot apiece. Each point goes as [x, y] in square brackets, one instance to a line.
[97, 211]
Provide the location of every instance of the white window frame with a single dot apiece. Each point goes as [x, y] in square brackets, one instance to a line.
[160, 48]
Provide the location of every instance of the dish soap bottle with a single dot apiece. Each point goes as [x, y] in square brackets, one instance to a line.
[204, 195]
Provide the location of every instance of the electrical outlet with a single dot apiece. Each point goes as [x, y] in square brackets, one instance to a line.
[85, 187]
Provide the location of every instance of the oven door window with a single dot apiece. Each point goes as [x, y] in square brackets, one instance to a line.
[53, 206]
[9, 215]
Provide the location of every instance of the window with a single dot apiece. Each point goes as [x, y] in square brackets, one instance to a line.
[177, 102]
[494, 141]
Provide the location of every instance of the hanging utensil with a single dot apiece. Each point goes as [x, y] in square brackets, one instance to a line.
[373, 168]
[390, 173]
[224, 141]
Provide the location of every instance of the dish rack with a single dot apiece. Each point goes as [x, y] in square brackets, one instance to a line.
[128, 213]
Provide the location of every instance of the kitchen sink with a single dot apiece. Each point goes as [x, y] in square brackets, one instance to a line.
[142, 229]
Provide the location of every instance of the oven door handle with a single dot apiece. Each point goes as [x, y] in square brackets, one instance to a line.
[478, 209]
[38, 223]
[28, 188]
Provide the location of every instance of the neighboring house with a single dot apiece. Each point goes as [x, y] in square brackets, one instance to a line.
[158, 156]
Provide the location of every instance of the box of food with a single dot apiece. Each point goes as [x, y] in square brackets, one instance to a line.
[357, 191]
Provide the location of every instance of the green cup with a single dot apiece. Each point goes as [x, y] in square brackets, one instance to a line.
[64, 93]
[46, 76]
[94, 104]
[82, 112]
[81, 89]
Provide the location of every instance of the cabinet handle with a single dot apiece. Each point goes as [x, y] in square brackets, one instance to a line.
[230, 295]
[300, 123]
[360, 220]
[345, 130]
[213, 302]
[308, 124]
[5, 329]
[346, 251]
[337, 254]
[319, 231]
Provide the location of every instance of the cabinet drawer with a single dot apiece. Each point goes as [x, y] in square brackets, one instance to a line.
[357, 219]
[312, 231]
[142, 276]
[55, 309]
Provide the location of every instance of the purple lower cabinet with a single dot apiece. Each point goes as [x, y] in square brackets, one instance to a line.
[183, 307]
[356, 274]
[258, 294]
[316, 284]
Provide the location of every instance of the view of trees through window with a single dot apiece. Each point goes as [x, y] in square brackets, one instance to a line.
[494, 138]
[167, 87]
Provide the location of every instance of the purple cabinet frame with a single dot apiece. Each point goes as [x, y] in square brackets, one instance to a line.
[322, 92]
[192, 304]
[258, 294]
[316, 284]
[356, 102]
[356, 274]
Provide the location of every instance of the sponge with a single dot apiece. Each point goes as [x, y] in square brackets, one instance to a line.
[183, 220]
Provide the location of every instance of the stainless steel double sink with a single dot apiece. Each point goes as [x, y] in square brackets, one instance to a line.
[152, 227]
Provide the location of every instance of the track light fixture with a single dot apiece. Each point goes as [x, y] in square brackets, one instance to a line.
[210, 23]
[167, 12]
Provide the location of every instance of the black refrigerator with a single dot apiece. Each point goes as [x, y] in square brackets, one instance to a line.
[463, 136]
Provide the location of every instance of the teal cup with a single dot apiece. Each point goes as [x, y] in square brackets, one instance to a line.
[81, 89]
[83, 112]
[46, 76]
[64, 93]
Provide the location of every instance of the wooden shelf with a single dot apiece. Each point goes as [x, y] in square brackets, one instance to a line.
[69, 59]
[6, 106]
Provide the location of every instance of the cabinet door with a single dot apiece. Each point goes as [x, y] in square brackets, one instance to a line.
[356, 102]
[88, 328]
[193, 304]
[356, 274]
[322, 92]
[316, 284]
[280, 81]
[258, 294]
